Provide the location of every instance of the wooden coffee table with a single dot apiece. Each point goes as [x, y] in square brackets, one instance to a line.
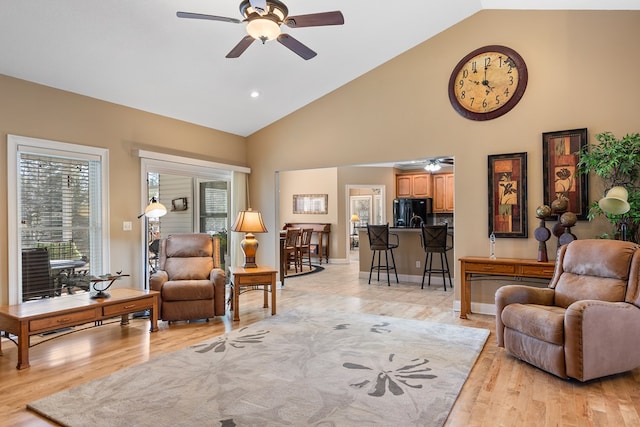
[50, 314]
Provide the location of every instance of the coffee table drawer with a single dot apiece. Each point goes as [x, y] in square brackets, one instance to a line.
[127, 307]
[61, 321]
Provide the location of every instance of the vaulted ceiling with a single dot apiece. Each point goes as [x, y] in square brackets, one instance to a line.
[137, 53]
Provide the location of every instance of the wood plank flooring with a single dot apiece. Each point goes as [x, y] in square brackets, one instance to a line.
[501, 391]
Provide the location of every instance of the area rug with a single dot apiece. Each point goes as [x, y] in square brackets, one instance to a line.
[305, 271]
[296, 368]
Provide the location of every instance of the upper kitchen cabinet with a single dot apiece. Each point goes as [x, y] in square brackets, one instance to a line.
[413, 185]
[443, 193]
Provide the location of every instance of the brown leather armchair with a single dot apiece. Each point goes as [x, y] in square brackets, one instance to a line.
[586, 324]
[190, 282]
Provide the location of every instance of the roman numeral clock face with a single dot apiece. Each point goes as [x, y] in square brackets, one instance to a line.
[488, 82]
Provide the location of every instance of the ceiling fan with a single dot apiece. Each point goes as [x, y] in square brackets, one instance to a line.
[435, 165]
[264, 18]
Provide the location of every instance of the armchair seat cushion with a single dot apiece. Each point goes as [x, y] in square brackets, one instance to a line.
[544, 322]
[187, 290]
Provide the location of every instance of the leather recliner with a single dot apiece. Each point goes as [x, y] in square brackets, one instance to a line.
[190, 282]
[586, 324]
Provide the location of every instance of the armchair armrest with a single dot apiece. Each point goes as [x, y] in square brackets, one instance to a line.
[157, 279]
[601, 338]
[518, 294]
[218, 278]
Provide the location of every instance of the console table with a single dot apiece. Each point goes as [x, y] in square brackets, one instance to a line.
[514, 267]
[50, 314]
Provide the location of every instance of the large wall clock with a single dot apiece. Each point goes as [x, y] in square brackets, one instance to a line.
[488, 82]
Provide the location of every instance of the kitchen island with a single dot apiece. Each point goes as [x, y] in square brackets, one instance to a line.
[409, 256]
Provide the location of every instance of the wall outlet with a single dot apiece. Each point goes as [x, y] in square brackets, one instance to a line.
[417, 264]
[126, 226]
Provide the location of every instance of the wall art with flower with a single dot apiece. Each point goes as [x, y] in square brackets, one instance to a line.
[560, 157]
[508, 195]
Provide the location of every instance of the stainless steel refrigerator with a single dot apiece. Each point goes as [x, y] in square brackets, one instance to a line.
[411, 213]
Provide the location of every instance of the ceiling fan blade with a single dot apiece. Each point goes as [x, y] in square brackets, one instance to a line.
[209, 17]
[259, 5]
[298, 48]
[240, 47]
[315, 19]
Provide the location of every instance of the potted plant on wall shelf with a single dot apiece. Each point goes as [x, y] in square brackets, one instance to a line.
[617, 163]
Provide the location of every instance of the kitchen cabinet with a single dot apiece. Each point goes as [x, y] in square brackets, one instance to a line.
[443, 193]
[413, 185]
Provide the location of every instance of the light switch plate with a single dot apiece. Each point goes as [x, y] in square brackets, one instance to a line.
[126, 226]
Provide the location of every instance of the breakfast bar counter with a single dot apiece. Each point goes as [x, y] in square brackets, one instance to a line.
[409, 255]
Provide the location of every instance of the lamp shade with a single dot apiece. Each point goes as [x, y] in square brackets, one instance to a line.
[249, 221]
[155, 209]
[615, 202]
[355, 218]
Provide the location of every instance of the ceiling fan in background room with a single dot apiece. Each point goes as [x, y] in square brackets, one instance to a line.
[435, 165]
[264, 18]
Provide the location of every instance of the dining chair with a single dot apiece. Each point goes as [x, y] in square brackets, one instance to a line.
[291, 247]
[304, 247]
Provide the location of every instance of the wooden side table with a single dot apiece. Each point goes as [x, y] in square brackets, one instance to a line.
[258, 276]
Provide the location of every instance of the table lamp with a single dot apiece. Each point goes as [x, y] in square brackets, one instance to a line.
[249, 222]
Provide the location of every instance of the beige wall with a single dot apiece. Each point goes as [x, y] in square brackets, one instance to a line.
[32, 110]
[580, 75]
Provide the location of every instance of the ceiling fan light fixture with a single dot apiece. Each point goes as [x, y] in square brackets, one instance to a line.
[263, 29]
[433, 166]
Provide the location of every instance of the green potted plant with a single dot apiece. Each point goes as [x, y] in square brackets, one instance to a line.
[617, 163]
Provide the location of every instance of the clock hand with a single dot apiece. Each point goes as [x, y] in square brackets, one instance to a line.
[485, 82]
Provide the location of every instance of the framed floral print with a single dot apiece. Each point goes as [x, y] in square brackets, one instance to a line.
[560, 157]
[508, 195]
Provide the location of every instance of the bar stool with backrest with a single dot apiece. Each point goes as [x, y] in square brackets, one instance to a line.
[379, 242]
[434, 241]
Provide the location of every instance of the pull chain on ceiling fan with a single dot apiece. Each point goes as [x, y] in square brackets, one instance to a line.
[264, 19]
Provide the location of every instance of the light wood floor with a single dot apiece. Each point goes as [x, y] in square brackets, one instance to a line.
[501, 391]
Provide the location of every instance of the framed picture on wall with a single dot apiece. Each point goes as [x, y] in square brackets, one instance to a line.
[508, 195]
[310, 203]
[559, 160]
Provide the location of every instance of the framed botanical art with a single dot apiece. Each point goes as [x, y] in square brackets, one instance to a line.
[560, 157]
[508, 195]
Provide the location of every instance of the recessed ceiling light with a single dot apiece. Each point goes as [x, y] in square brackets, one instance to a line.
[255, 94]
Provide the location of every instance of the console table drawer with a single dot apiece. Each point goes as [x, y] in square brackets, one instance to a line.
[537, 271]
[61, 321]
[126, 307]
[489, 268]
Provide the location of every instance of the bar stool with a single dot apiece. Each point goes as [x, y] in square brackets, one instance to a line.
[434, 241]
[379, 242]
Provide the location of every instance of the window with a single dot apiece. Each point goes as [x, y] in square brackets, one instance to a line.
[57, 199]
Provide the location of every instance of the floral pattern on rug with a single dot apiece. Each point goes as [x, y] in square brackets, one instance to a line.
[297, 368]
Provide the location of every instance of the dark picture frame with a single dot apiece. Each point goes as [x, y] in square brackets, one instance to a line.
[508, 195]
[559, 165]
